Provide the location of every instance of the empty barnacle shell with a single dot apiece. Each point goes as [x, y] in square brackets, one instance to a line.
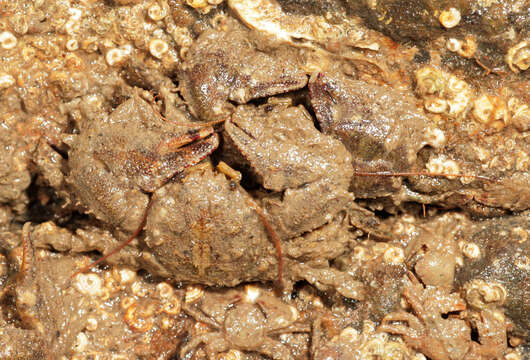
[193, 293]
[489, 109]
[172, 306]
[430, 81]
[518, 57]
[89, 284]
[136, 320]
[436, 105]
[480, 293]
[7, 40]
[443, 165]
[72, 45]
[158, 48]
[449, 18]
[164, 290]
[468, 47]
[156, 12]
[394, 255]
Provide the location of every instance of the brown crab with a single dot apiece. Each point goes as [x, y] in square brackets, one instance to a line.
[117, 159]
[244, 321]
[444, 338]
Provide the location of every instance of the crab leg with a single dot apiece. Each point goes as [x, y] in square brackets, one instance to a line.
[176, 143]
[119, 247]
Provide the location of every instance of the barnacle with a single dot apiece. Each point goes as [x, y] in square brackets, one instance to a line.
[468, 47]
[138, 289]
[481, 294]
[139, 318]
[116, 56]
[470, 250]
[436, 105]
[520, 114]
[394, 255]
[449, 18]
[172, 306]
[72, 45]
[81, 343]
[518, 57]
[6, 81]
[490, 110]
[156, 12]
[89, 284]
[7, 40]
[91, 323]
[453, 44]
[443, 165]
[430, 81]
[232, 354]
[443, 92]
[158, 48]
[164, 291]
[193, 294]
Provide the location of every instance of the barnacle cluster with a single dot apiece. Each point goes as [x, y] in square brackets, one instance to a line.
[370, 344]
[145, 308]
[481, 294]
[443, 93]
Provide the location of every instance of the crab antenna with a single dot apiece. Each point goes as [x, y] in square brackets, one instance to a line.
[273, 234]
[119, 247]
[419, 173]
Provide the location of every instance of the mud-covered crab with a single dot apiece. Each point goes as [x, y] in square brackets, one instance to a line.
[117, 159]
[244, 321]
[444, 338]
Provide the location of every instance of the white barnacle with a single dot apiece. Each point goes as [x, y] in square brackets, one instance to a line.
[453, 45]
[158, 48]
[436, 105]
[89, 284]
[81, 343]
[7, 40]
[442, 165]
[6, 81]
[116, 56]
[394, 255]
[126, 276]
[72, 45]
[193, 293]
[436, 137]
[450, 18]
[164, 290]
[470, 250]
[518, 56]
[155, 12]
[91, 323]
[139, 289]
